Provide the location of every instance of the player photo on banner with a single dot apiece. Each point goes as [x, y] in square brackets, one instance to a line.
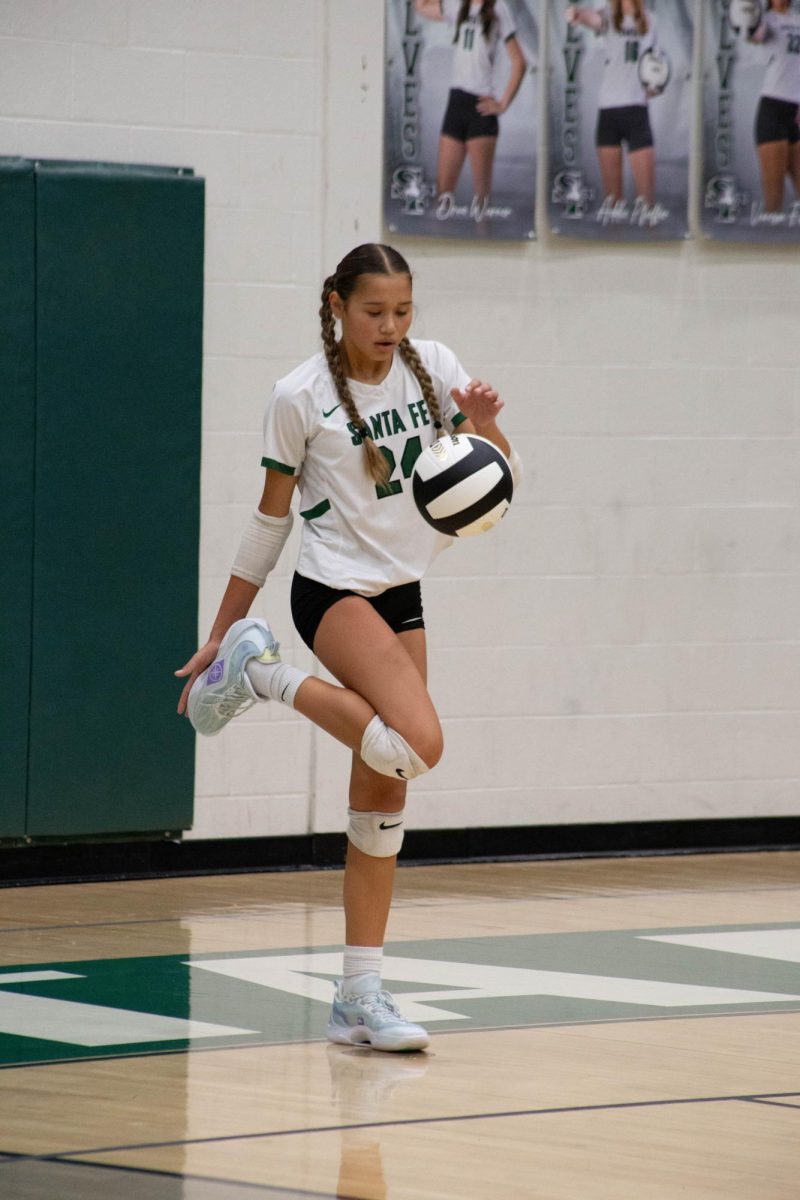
[751, 136]
[619, 118]
[460, 118]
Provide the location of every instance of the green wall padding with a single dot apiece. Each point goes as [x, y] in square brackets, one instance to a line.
[119, 340]
[17, 348]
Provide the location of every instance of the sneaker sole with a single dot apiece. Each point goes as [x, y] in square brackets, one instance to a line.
[196, 687]
[359, 1036]
[199, 683]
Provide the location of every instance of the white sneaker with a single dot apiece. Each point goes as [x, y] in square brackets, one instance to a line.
[223, 691]
[372, 1017]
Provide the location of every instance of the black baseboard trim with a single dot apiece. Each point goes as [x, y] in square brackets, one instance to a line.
[157, 857]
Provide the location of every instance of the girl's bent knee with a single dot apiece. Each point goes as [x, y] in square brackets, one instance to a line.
[429, 746]
[389, 753]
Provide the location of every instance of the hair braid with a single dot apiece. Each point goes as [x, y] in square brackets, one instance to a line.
[377, 466]
[415, 364]
[487, 17]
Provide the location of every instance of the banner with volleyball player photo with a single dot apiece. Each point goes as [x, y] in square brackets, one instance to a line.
[619, 118]
[751, 136]
[460, 118]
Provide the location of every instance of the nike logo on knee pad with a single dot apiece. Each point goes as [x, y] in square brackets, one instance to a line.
[400, 773]
[396, 825]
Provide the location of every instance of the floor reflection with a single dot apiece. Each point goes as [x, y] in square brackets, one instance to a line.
[362, 1082]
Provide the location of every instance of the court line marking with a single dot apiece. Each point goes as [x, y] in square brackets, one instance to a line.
[776, 1103]
[620, 1106]
[263, 1189]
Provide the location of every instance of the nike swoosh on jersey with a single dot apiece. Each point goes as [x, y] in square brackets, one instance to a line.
[396, 825]
[333, 410]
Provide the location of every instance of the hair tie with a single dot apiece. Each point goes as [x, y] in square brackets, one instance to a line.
[364, 431]
[437, 425]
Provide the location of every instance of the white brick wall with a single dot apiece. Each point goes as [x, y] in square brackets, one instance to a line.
[627, 645]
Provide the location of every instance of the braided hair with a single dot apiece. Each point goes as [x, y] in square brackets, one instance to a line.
[369, 259]
[487, 17]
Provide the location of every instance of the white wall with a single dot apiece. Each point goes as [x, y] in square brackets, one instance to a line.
[627, 645]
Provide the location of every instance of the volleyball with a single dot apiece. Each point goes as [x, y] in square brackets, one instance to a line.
[654, 70]
[744, 16]
[462, 485]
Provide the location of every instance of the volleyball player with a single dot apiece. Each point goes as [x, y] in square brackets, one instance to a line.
[346, 427]
[777, 131]
[623, 117]
[471, 128]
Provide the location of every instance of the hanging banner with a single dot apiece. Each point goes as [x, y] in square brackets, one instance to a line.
[460, 118]
[751, 143]
[619, 119]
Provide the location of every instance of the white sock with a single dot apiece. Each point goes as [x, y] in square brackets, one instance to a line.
[275, 681]
[361, 961]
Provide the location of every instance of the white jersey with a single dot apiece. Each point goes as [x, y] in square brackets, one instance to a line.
[356, 535]
[474, 55]
[621, 85]
[782, 78]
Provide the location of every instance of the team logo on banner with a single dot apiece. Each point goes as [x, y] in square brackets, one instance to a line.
[460, 118]
[619, 116]
[412, 189]
[723, 196]
[751, 106]
[571, 191]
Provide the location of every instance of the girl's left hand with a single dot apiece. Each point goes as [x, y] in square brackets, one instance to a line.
[479, 402]
[487, 106]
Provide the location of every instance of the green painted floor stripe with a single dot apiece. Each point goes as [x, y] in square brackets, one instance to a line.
[173, 1003]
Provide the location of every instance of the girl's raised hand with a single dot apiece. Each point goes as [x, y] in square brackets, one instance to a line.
[479, 402]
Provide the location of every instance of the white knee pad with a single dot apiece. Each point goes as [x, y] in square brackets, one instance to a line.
[378, 834]
[388, 753]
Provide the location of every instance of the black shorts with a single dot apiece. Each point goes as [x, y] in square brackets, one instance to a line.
[400, 607]
[629, 123]
[462, 120]
[776, 121]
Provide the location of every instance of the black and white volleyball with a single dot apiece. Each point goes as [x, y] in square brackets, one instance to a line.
[654, 70]
[745, 16]
[462, 485]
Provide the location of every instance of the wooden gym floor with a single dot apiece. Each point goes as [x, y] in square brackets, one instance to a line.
[601, 1029]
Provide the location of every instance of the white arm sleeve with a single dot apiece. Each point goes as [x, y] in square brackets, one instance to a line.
[260, 548]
